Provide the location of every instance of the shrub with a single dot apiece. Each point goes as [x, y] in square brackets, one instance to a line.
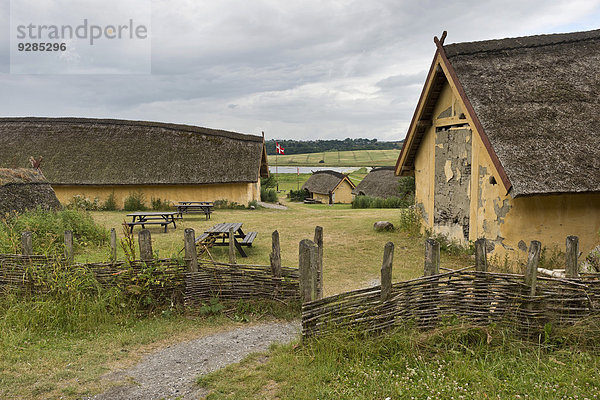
[160, 205]
[110, 203]
[80, 202]
[226, 204]
[406, 188]
[377, 202]
[268, 195]
[298, 195]
[253, 203]
[48, 229]
[269, 182]
[136, 201]
[410, 221]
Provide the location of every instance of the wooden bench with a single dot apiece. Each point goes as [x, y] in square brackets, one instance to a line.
[207, 209]
[248, 239]
[144, 223]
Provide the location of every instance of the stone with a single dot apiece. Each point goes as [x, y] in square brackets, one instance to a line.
[380, 226]
[592, 261]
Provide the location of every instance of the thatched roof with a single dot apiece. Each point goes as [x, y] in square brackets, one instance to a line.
[81, 151]
[25, 189]
[536, 101]
[323, 182]
[379, 182]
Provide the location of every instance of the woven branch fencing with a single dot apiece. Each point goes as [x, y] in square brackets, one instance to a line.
[525, 302]
[182, 282]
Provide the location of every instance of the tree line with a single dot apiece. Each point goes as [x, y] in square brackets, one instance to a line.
[318, 146]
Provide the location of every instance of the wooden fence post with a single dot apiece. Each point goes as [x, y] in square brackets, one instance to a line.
[69, 247]
[307, 261]
[532, 262]
[113, 245]
[386, 271]
[481, 255]
[319, 243]
[191, 257]
[275, 255]
[231, 246]
[432, 257]
[572, 253]
[27, 243]
[145, 242]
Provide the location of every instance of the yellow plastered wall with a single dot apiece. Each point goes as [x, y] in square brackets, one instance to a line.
[343, 193]
[323, 198]
[240, 193]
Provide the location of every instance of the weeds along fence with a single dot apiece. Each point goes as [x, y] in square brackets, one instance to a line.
[473, 294]
[186, 281]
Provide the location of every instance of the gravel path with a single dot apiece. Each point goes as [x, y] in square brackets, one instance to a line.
[170, 373]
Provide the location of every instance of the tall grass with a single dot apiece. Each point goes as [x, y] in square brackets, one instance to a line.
[453, 362]
[135, 201]
[48, 230]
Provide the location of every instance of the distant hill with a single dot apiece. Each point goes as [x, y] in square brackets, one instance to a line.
[319, 146]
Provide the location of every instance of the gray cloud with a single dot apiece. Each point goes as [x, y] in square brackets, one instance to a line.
[298, 69]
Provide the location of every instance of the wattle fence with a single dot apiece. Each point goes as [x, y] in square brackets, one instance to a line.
[472, 295]
[190, 281]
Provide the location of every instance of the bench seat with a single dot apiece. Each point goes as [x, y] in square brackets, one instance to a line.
[247, 241]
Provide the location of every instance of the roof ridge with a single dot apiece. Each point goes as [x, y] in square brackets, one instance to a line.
[521, 42]
[126, 122]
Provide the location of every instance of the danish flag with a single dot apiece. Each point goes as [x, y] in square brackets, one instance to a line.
[279, 148]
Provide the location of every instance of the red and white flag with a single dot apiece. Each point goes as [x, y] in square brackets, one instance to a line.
[279, 148]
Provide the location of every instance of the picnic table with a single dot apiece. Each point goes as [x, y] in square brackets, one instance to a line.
[185, 207]
[219, 236]
[143, 218]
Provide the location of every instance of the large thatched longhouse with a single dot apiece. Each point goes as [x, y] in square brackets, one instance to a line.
[97, 157]
[380, 182]
[329, 187]
[505, 141]
[25, 189]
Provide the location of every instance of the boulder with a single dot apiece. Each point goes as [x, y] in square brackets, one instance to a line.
[592, 261]
[380, 226]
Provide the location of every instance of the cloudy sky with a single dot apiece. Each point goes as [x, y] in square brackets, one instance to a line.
[293, 69]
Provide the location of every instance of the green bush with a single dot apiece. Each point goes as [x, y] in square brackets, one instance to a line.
[406, 188]
[268, 195]
[298, 195]
[110, 203]
[269, 182]
[377, 202]
[410, 221]
[80, 202]
[48, 229]
[160, 205]
[136, 201]
[229, 205]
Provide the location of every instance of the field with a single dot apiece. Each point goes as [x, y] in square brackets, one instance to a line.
[42, 360]
[289, 182]
[360, 158]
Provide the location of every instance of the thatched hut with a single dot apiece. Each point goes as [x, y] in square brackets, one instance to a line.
[25, 189]
[505, 141]
[329, 187]
[97, 157]
[380, 182]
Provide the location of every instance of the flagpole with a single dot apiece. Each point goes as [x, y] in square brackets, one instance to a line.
[276, 171]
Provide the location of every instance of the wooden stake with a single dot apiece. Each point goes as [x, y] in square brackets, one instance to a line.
[113, 245]
[572, 253]
[275, 255]
[481, 255]
[191, 257]
[145, 242]
[319, 243]
[386, 271]
[307, 261]
[69, 247]
[231, 246]
[27, 243]
[532, 262]
[432, 257]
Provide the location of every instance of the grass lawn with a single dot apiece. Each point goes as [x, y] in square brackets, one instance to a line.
[289, 182]
[359, 158]
[352, 254]
[41, 363]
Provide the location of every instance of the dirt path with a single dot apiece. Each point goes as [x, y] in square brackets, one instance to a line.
[170, 373]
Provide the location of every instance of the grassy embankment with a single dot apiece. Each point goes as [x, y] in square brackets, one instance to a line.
[359, 158]
[289, 182]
